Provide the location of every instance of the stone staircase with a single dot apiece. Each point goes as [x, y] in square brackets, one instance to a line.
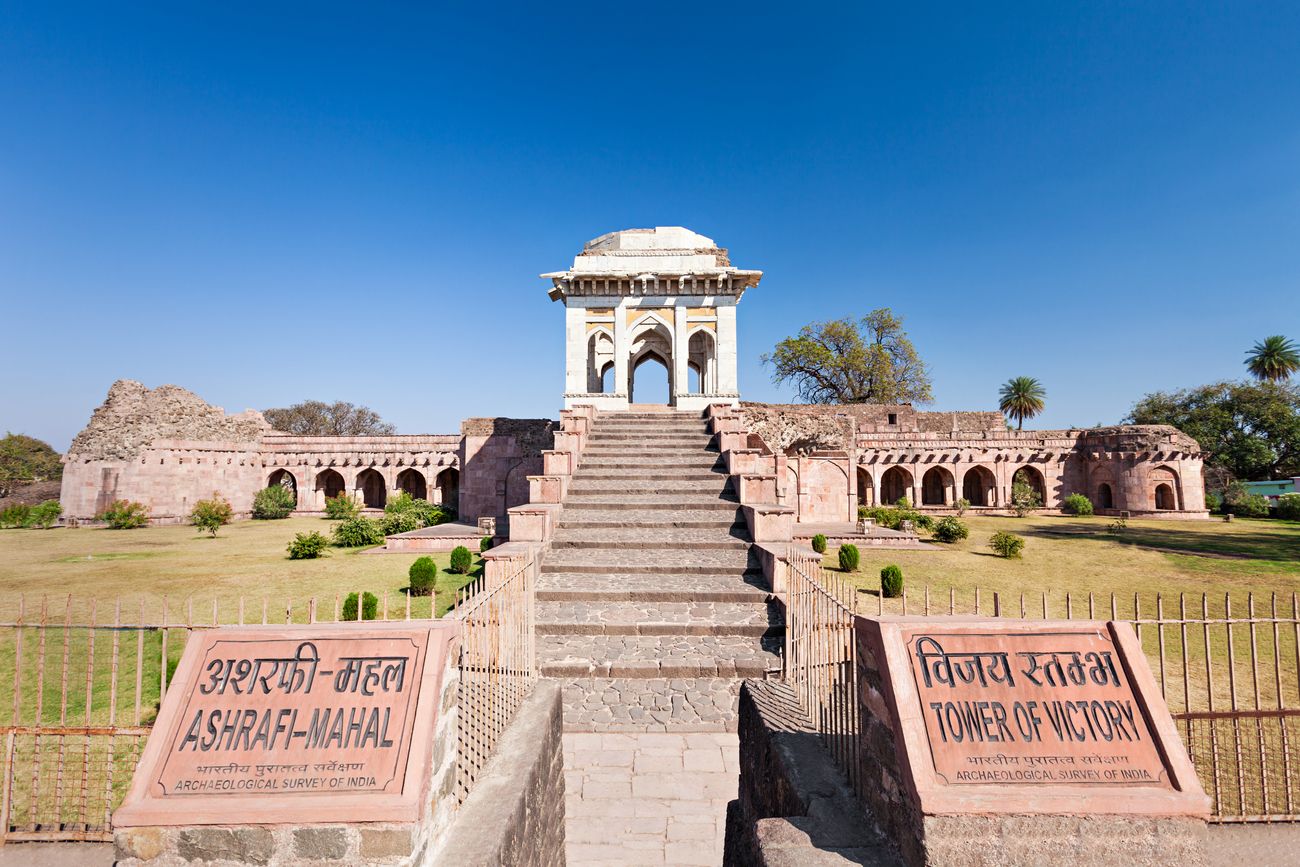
[650, 578]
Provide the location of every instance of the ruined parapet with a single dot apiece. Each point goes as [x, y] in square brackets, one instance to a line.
[497, 456]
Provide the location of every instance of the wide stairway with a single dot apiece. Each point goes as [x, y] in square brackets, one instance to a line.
[651, 608]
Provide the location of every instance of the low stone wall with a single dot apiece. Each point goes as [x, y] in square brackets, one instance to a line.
[515, 814]
[795, 807]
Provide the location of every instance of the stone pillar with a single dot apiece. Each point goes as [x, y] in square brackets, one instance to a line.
[727, 380]
[681, 355]
[575, 349]
[621, 350]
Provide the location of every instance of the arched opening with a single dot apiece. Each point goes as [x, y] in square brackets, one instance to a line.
[979, 488]
[649, 384]
[412, 481]
[1105, 498]
[1165, 497]
[284, 479]
[607, 379]
[330, 482]
[934, 487]
[448, 485]
[374, 493]
[866, 494]
[895, 484]
[702, 362]
[1033, 479]
[600, 357]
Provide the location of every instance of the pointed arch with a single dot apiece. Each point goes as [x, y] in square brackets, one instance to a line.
[895, 484]
[284, 479]
[979, 487]
[412, 481]
[370, 485]
[935, 485]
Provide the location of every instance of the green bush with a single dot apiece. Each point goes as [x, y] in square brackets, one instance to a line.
[849, 558]
[274, 502]
[1239, 501]
[461, 560]
[1214, 501]
[484, 544]
[46, 515]
[922, 521]
[950, 529]
[891, 582]
[211, 515]
[16, 516]
[892, 517]
[961, 506]
[1077, 504]
[124, 515]
[342, 507]
[358, 532]
[819, 543]
[369, 606]
[1288, 507]
[423, 575]
[903, 503]
[422, 512]
[400, 522]
[1006, 544]
[1024, 499]
[307, 546]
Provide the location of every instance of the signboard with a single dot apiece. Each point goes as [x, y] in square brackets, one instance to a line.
[313, 723]
[1014, 716]
[1031, 708]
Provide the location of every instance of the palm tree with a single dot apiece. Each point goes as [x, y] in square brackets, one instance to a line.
[1022, 397]
[1273, 360]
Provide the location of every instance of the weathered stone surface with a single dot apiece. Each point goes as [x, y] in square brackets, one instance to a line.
[143, 843]
[386, 842]
[320, 844]
[245, 844]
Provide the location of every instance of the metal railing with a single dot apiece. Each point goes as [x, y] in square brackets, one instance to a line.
[1229, 674]
[497, 664]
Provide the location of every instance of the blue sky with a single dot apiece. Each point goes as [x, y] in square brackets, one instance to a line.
[272, 202]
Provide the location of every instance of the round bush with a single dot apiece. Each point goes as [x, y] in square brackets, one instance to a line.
[16, 516]
[211, 515]
[950, 529]
[1077, 504]
[342, 507]
[400, 522]
[1249, 506]
[423, 575]
[891, 582]
[484, 544]
[819, 543]
[461, 560]
[358, 532]
[369, 606]
[849, 558]
[273, 503]
[307, 546]
[1288, 507]
[961, 506]
[124, 515]
[46, 515]
[1006, 544]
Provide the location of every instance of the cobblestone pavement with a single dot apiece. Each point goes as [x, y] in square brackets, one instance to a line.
[633, 705]
[655, 798]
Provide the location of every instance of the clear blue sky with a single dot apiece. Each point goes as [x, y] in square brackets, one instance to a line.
[270, 202]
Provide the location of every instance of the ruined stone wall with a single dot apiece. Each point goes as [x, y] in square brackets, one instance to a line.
[498, 455]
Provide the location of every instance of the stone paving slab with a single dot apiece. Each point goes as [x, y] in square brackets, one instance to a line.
[679, 704]
[657, 618]
[562, 586]
[656, 656]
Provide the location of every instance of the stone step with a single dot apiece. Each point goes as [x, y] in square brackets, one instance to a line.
[652, 435]
[609, 617]
[641, 451]
[610, 487]
[580, 544]
[651, 520]
[652, 704]
[610, 473]
[694, 430]
[604, 561]
[655, 502]
[696, 463]
[662, 587]
[645, 656]
[734, 535]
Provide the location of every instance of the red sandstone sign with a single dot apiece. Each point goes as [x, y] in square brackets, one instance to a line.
[1020, 716]
[313, 723]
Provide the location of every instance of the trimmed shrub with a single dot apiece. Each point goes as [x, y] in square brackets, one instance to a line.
[849, 558]
[819, 543]
[15, 517]
[369, 606]
[211, 515]
[400, 522]
[1288, 507]
[461, 560]
[274, 502]
[950, 529]
[46, 515]
[891, 582]
[423, 575]
[1077, 504]
[124, 515]
[307, 546]
[961, 506]
[484, 544]
[342, 507]
[358, 532]
[1006, 544]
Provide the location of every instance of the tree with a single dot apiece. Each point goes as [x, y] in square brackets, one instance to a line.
[1273, 360]
[27, 459]
[1250, 430]
[843, 361]
[319, 419]
[1021, 398]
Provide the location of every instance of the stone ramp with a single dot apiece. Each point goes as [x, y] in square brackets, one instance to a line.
[651, 608]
